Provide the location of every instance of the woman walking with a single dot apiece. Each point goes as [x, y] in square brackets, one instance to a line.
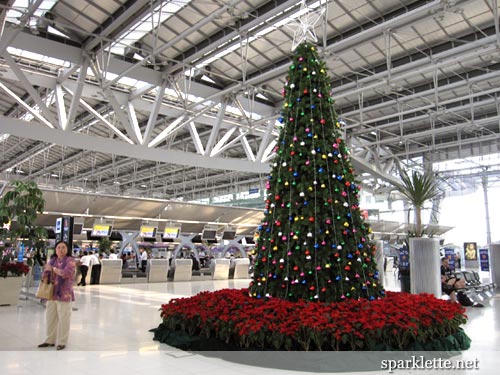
[60, 270]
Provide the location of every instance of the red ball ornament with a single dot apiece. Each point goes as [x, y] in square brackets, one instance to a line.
[347, 268]
[292, 153]
[305, 91]
[347, 184]
[295, 268]
[264, 260]
[311, 219]
[312, 288]
[278, 223]
[322, 121]
[307, 252]
[323, 290]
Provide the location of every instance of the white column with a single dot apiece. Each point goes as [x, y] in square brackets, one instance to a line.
[495, 263]
[425, 271]
[379, 258]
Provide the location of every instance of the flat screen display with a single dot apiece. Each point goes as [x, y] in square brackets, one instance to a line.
[228, 235]
[77, 228]
[171, 232]
[208, 234]
[148, 231]
[101, 230]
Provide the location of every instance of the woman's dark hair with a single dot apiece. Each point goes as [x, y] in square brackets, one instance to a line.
[68, 249]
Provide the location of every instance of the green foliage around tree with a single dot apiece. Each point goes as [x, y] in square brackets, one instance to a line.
[22, 205]
[313, 243]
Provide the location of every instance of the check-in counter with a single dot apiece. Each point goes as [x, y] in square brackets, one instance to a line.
[111, 271]
[183, 270]
[241, 267]
[220, 269]
[157, 270]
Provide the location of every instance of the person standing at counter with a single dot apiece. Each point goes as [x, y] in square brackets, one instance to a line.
[59, 270]
[84, 267]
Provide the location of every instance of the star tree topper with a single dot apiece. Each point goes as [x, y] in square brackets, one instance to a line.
[304, 26]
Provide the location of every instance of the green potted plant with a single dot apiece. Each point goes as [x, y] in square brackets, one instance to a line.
[417, 189]
[19, 208]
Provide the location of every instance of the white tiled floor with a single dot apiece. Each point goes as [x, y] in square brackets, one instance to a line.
[110, 332]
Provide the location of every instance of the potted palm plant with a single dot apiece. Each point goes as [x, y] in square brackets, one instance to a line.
[417, 189]
[19, 208]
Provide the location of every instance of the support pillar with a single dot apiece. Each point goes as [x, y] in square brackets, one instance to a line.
[495, 263]
[379, 258]
[425, 271]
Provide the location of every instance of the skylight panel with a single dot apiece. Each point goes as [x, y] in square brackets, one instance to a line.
[37, 57]
[160, 14]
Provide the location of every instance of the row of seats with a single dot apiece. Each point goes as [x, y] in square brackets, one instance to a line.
[475, 289]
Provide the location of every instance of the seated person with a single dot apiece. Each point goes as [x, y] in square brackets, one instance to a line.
[449, 283]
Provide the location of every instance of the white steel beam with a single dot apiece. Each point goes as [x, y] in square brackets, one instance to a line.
[264, 142]
[77, 95]
[196, 138]
[102, 119]
[246, 146]
[154, 112]
[29, 88]
[122, 115]
[25, 129]
[215, 130]
[133, 120]
[62, 119]
[26, 106]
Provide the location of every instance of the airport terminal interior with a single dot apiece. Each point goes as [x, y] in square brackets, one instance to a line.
[155, 124]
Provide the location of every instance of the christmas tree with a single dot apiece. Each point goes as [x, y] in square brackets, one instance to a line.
[313, 243]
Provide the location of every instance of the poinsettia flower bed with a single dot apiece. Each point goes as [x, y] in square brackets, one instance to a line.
[400, 321]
